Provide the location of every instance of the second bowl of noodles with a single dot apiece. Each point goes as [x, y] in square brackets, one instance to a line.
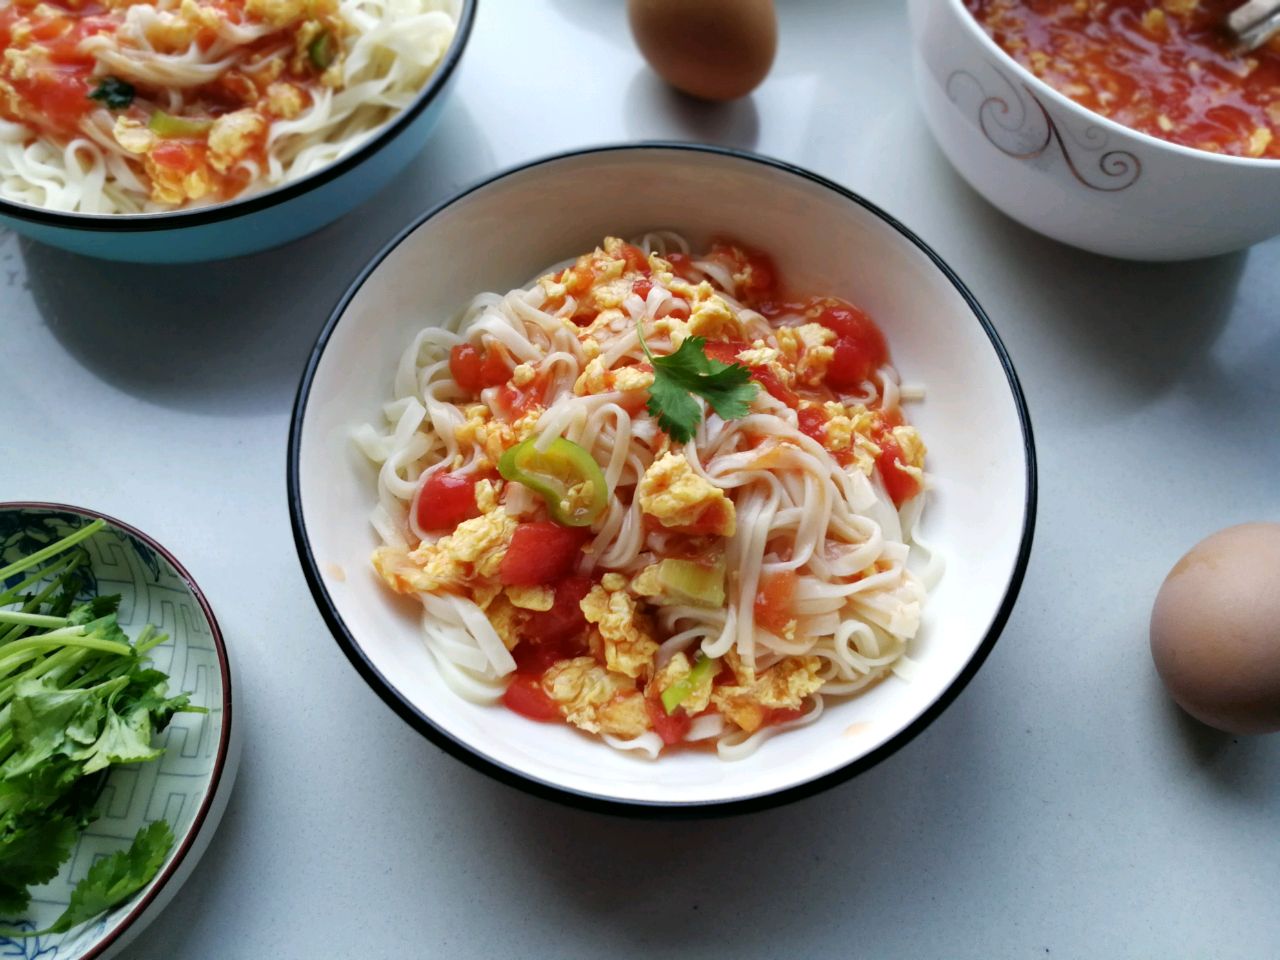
[698, 484]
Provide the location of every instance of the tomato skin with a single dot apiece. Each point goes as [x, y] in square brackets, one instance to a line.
[541, 552]
[671, 728]
[635, 259]
[525, 696]
[860, 348]
[474, 370]
[900, 485]
[446, 500]
[775, 596]
[682, 266]
[813, 421]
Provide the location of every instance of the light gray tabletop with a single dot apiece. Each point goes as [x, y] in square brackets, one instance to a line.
[1060, 808]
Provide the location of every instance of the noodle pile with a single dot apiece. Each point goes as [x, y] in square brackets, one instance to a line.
[810, 505]
[315, 98]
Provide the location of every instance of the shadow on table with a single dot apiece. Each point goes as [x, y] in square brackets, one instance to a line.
[230, 338]
[684, 888]
[1133, 331]
[1242, 766]
[651, 109]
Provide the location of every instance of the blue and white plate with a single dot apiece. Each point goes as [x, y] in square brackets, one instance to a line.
[190, 784]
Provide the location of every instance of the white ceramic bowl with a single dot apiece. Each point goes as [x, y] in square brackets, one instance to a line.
[189, 785]
[1072, 174]
[500, 234]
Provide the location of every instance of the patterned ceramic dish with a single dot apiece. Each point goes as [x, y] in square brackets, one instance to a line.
[1072, 174]
[501, 233]
[190, 784]
[266, 219]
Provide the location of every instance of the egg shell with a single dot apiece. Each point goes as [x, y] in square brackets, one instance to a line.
[1215, 630]
[713, 49]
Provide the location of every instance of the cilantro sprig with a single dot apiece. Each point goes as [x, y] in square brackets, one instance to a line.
[76, 698]
[679, 377]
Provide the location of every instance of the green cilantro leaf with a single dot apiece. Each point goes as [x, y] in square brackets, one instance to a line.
[114, 92]
[679, 376]
[114, 879]
[31, 856]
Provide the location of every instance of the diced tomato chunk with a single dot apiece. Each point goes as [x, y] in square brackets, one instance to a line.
[579, 279]
[813, 421]
[541, 552]
[635, 259]
[525, 696]
[446, 500]
[777, 715]
[682, 266]
[642, 287]
[474, 370]
[671, 728]
[775, 597]
[726, 351]
[900, 485]
[860, 348]
[565, 620]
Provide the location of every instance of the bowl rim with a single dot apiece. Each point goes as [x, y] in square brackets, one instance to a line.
[1027, 78]
[174, 865]
[601, 803]
[216, 213]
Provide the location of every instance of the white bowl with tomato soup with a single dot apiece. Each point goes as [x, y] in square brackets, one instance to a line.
[1071, 173]
[504, 232]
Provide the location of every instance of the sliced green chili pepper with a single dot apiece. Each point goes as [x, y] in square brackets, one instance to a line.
[565, 475]
[320, 50]
[692, 582]
[682, 689]
[167, 125]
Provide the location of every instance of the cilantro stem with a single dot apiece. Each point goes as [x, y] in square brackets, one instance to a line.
[66, 638]
[32, 619]
[52, 550]
[14, 592]
[640, 334]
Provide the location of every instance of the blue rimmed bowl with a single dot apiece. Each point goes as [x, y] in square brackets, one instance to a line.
[501, 232]
[262, 220]
[190, 784]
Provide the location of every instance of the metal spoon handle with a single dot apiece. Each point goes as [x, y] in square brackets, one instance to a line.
[1254, 23]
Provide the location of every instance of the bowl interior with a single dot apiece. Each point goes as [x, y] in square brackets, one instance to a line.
[824, 241]
[173, 787]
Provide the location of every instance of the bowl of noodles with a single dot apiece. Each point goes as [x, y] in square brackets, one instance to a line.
[187, 130]
[707, 486]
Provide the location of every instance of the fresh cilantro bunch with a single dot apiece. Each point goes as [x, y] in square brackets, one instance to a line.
[689, 372]
[76, 698]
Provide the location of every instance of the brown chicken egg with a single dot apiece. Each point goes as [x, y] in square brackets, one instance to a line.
[1215, 630]
[713, 49]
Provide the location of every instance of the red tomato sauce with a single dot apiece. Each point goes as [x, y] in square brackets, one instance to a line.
[1152, 66]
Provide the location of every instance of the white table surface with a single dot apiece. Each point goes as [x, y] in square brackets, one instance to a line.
[1061, 807]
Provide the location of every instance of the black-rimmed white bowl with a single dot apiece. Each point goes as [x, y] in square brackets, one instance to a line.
[263, 220]
[499, 234]
[190, 784]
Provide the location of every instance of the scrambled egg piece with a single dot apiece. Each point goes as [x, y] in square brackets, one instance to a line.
[625, 633]
[675, 670]
[233, 135]
[782, 687]
[494, 437]
[474, 550]
[677, 497]
[278, 13]
[851, 428]
[713, 319]
[595, 379]
[592, 698]
[506, 619]
[285, 101]
[807, 348]
[913, 451]
[532, 598]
